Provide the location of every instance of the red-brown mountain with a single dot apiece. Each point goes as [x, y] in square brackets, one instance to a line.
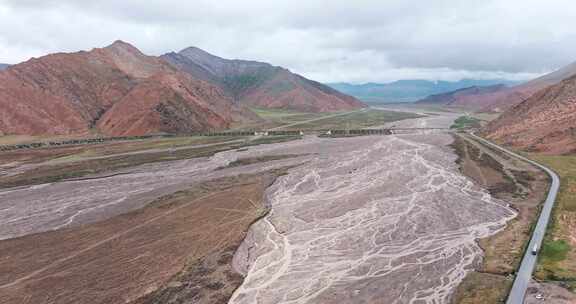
[115, 90]
[498, 99]
[261, 84]
[468, 98]
[544, 122]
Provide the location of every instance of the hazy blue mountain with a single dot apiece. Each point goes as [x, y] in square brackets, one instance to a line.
[3, 66]
[410, 90]
[471, 98]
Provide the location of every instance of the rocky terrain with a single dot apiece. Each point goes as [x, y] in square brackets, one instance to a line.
[544, 122]
[495, 99]
[261, 84]
[115, 90]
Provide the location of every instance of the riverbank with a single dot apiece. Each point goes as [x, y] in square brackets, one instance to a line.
[177, 249]
[524, 188]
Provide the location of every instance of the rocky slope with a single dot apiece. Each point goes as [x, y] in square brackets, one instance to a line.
[261, 84]
[115, 90]
[505, 99]
[544, 122]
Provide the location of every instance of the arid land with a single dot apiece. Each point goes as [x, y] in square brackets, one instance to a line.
[169, 220]
[389, 222]
[150, 221]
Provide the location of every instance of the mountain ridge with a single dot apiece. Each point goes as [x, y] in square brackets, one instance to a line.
[501, 100]
[261, 84]
[469, 98]
[115, 90]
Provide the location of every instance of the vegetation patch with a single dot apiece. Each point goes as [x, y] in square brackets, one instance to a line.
[466, 122]
[557, 261]
[271, 140]
[480, 288]
[555, 250]
[333, 120]
[358, 120]
[284, 115]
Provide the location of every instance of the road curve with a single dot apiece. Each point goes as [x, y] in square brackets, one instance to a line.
[529, 260]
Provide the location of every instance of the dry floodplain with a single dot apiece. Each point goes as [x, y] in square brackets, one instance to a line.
[373, 219]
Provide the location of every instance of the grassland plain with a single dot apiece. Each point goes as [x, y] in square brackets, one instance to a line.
[273, 118]
[276, 118]
[557, 260]
[73, 163]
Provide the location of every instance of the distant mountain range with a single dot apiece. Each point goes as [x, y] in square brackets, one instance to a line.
[3, 66]
[117, 90]
[410, 90]
[498, 98]
[261, 84]
[468, 98]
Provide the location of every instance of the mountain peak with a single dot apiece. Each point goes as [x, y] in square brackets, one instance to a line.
[213, 62]
[198, 53]
[120, 45]
[261, 84]
[132, 61]
[194, 49]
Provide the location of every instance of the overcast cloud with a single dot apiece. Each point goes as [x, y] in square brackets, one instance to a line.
[337, 40]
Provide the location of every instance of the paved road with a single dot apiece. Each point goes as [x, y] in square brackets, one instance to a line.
[528, 264]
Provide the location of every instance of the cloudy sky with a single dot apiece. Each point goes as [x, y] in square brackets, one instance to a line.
[336, 40]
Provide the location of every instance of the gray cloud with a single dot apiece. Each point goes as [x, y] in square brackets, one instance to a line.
[338, 40]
